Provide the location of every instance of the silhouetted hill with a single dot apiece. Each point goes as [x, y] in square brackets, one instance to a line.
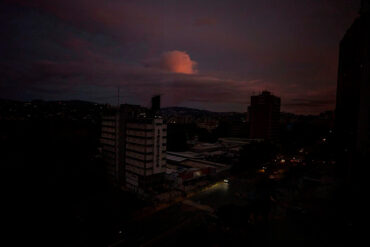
[185, 111]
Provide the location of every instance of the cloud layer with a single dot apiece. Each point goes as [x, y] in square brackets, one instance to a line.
[203, 54]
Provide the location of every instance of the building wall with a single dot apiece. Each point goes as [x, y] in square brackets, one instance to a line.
[353, 95]
[159, 147]
[109, 143]
[145, 152]
[353, 113]
[113, 139]
[133, 144]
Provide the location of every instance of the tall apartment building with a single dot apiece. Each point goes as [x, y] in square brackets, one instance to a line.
[145, 160]
[352, 115]
[353, 96]
[113, 139]
[264, 114]
[133, 141]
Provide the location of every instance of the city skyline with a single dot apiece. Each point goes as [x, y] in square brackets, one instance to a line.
[209, 55]
[170, 123]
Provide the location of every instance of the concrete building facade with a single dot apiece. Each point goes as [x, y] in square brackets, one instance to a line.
[145, 153]
[133, 142]
[113, 139]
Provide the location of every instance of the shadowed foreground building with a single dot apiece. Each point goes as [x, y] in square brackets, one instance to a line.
[353, 93]
[133, 143]
[264, 114]
[353, 113]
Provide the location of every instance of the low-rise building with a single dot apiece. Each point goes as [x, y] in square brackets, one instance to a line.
[185, 168]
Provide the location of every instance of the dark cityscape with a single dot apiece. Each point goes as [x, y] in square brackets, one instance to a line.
[185, 123]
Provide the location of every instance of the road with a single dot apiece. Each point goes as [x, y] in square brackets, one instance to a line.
[184, 213]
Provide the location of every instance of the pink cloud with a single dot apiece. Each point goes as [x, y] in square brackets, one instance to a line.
[173, 61]
[177, 62]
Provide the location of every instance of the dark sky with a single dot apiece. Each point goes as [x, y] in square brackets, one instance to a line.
[208, 54]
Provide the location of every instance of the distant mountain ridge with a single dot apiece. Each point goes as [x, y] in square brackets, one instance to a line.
[174, 110]
[187, 110]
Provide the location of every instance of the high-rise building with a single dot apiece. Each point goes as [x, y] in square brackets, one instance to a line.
[133, 142]
[353, 95]
[264, 114]
[145, 160]
[156, 104]
[113, 139]
[109, 144]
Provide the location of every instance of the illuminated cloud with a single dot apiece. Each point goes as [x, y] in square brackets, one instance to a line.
[177, 62]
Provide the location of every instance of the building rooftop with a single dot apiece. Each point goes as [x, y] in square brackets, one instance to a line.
[175, 158]
[190, 155]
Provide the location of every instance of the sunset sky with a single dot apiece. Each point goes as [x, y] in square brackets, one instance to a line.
[207, 54]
